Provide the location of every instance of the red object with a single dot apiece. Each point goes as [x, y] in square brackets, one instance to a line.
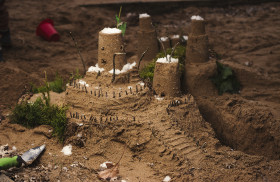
[46, 30]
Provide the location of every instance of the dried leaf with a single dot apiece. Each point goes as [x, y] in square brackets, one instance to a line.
[109, 165]
[108, 174]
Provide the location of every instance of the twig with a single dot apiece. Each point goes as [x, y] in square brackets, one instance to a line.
[121, 156]
[173, 49]
[163, 48]
[114, 67]
[143, 54]
[79, 51]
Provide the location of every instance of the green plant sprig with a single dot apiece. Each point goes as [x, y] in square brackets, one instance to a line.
[41, 112]
[225, 80]
[121, 25]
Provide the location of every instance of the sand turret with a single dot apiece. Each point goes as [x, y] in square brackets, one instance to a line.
[146, 39]
[197, 47]
[110, 41]
[166, 81]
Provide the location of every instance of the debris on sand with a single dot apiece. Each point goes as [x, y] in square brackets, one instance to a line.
[125, 68]
[109, 174]
[165, 60]
[6, 152]
[159, 98]
[106, 165]
[67, 150]
[82, 82]
[95, 69]
[111, 30]
[196, 17]
[166, 179]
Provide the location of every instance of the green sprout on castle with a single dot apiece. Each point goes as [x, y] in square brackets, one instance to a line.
[121, 25]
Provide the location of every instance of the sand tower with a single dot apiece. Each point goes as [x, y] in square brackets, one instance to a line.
[110, 41]
[146, 39]
[197, 47]
[166, 80]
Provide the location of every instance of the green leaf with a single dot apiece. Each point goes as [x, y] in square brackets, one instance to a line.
[225, 79]
[226, 72]
[118, 20]
[121, 25]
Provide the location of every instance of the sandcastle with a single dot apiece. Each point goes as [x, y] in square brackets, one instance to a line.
[114, 84]
[197, 47]
[97, 103]
[146, 39]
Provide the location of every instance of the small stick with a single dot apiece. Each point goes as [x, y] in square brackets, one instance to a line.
[130, 90]
[143, 54]
[173, 49]
[79, 51]
[126, 92]
[163, 48]
[120, 94]
[113, 94]
[114, 67]
[70, 114]
[91, 92]
[98, 74]
[94, 92]
[167, 110]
